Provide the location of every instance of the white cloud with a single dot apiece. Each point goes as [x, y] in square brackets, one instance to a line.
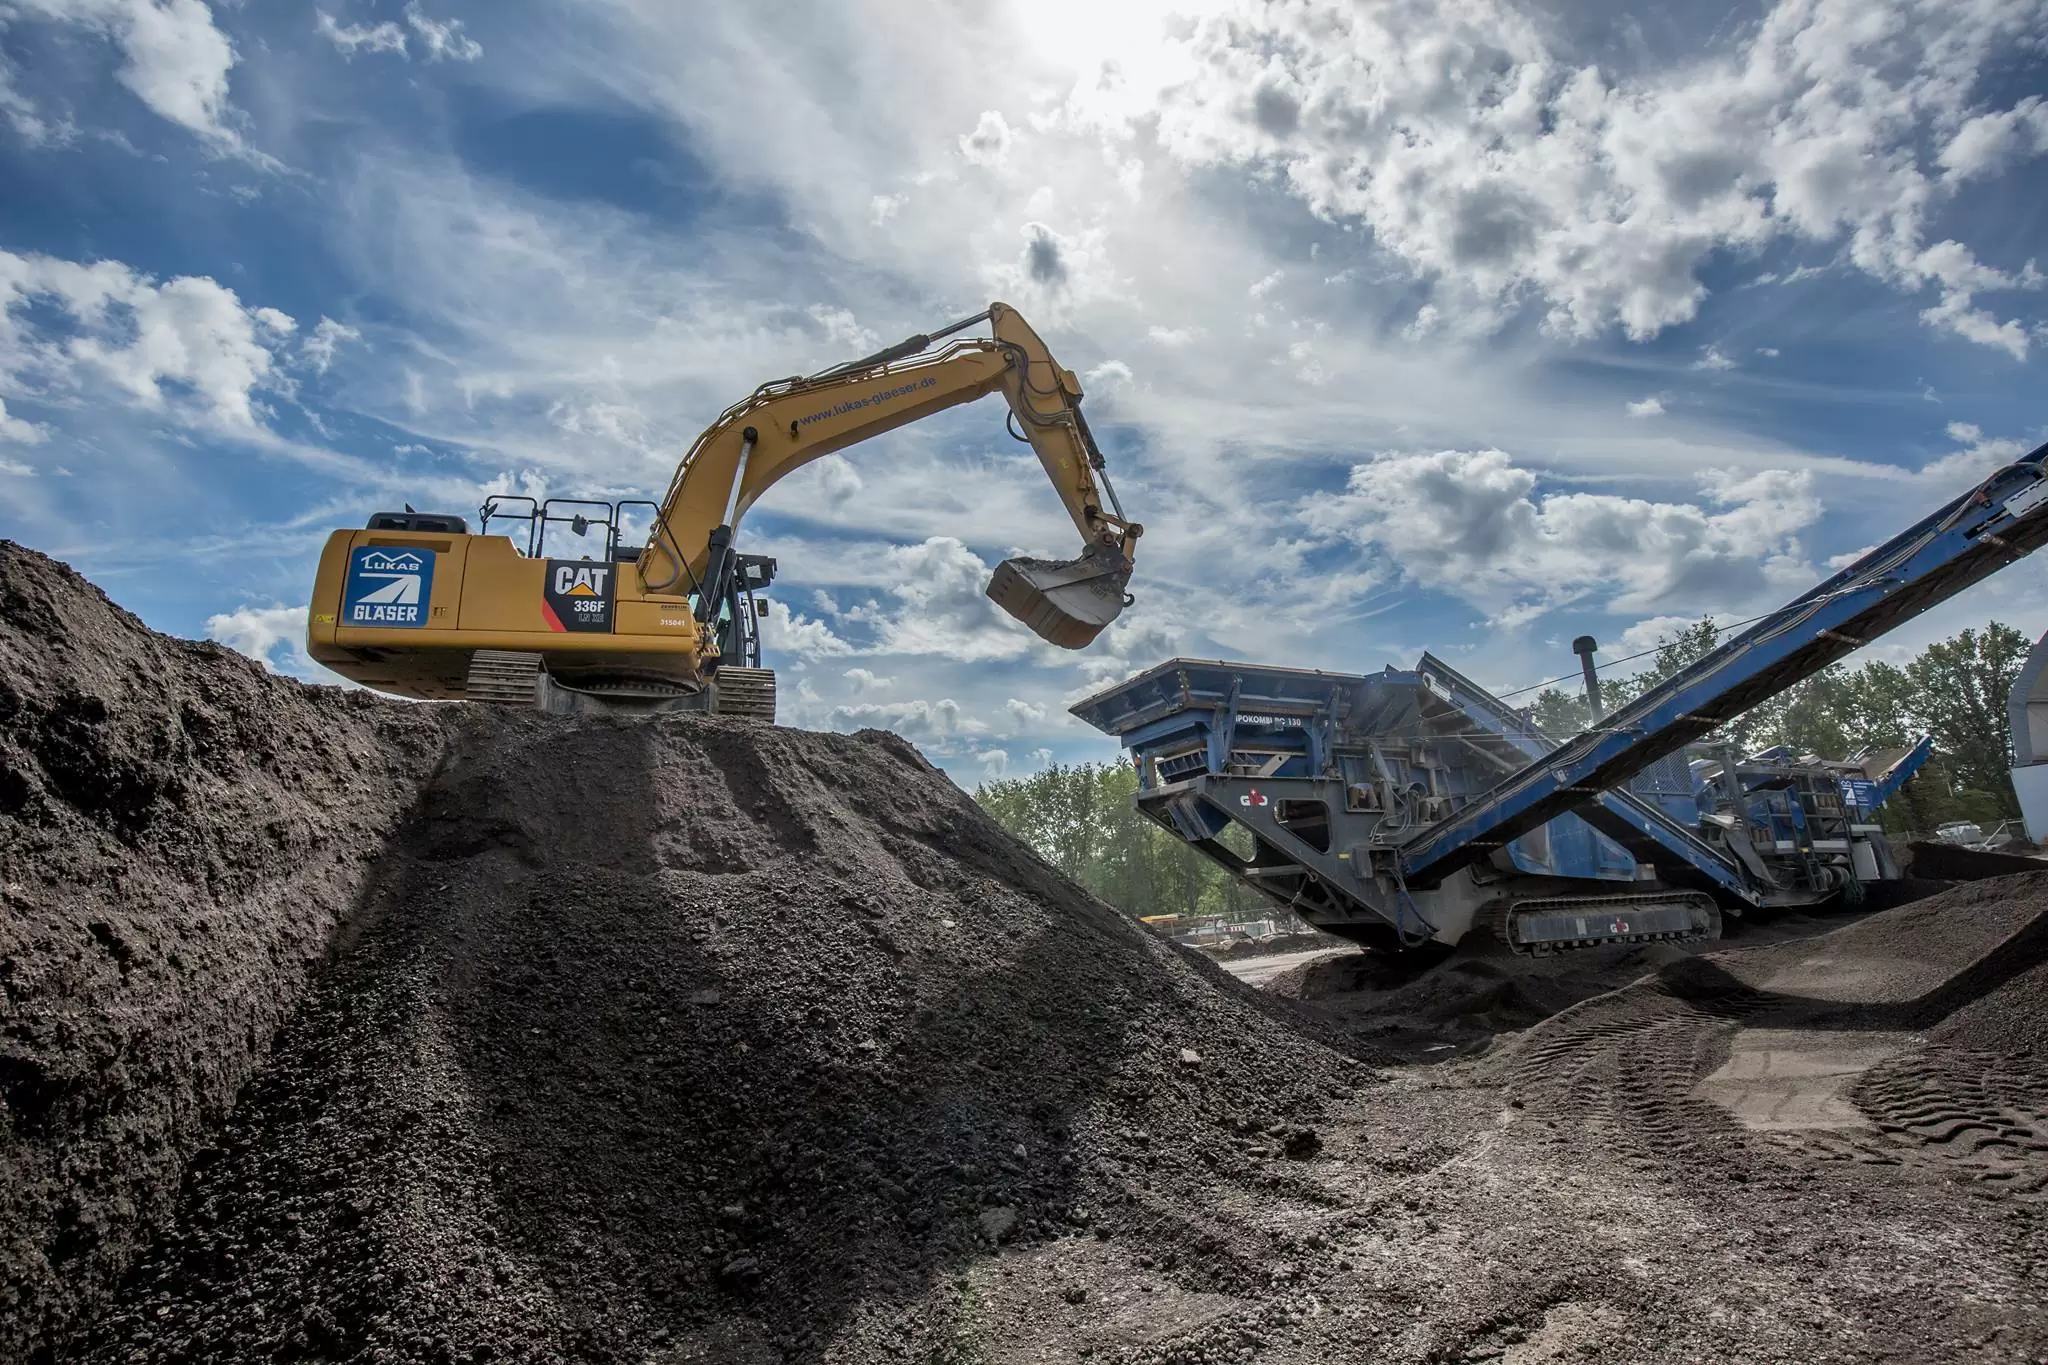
[20, 429]
[994, 763]
[1022, 715]
[1951, 474]
[353, 38]
[1472, 524]
[443, 39]
[1989, 142]
[1712, 359]
[843, 331]
[1057, 271]
[938, 723]
[1175, 336]
[319, 348]
[1498, 167]
[786, 631]
[186, 346]
[1647, 635]
[173, 58]
[865, 680]
[989, 144]
[942, 607]
[16, 468]
[1653, 406]
[839, 479]
[1109, 375]
[1955, 314]
[439, 40]
[260, 632]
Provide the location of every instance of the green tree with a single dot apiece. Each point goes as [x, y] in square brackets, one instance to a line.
[1082, 820]
[1960, 687]
[1560, 715]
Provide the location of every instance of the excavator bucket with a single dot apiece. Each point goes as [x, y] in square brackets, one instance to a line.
[1067, 601]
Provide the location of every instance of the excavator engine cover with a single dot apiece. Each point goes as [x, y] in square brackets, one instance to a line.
[1066, 601]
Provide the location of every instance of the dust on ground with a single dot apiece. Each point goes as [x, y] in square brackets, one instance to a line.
[693, 1040]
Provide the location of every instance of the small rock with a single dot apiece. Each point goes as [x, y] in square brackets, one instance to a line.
[1190, 1057]
[1302, 1143]
[741, 1272]
[998, 1223]
[710, 995]
[1075, 1293]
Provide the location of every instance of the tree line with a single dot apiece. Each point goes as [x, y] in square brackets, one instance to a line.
[1081, 819]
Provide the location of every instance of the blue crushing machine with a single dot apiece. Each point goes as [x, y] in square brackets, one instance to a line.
[1408, 808]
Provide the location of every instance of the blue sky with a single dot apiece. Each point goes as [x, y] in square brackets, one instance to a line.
[1470, 328]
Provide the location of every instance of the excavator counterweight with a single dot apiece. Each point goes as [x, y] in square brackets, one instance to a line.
[415, 605]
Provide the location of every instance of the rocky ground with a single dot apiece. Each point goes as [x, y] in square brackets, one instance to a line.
[337, 1029]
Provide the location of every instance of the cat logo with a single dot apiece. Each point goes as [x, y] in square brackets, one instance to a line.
[578, 595]
[581, 580]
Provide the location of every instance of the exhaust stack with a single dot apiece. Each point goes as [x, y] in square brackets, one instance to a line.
[1066, 601]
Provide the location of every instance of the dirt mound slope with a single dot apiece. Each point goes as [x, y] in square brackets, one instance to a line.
[1952, 862]
[1855, 1037]
[180, 835]
[1461, 1003]
[717, 1039]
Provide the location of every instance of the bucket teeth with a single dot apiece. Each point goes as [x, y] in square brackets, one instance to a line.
[1066, 602]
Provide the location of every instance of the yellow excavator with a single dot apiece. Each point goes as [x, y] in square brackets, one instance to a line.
[576, 619]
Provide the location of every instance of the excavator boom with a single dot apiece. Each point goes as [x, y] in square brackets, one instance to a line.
[786, 424]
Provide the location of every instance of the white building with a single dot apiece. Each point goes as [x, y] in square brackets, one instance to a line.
[2027, 712]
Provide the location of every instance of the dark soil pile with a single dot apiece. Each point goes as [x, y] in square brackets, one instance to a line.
[180, 836]
[2013, 1018]
[1458, 1005]
[717, 1038]
[687, 1037]
[1953, 862]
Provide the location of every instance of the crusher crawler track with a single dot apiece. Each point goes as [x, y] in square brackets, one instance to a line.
[1546, 924]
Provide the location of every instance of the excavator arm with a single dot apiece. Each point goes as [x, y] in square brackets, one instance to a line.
[785, 425]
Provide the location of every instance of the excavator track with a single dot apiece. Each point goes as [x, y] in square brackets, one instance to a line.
[503, 677]
[745, 692]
